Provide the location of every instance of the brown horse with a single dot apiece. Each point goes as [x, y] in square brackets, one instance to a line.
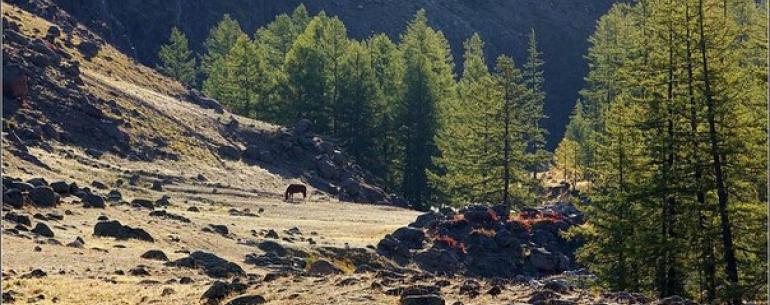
[294, 189]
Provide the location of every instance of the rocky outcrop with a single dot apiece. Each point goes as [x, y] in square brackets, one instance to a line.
[486, 241]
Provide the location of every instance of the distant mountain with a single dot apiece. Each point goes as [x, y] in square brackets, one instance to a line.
[139, 27]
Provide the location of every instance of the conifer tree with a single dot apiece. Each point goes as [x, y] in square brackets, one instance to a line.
[428, 82]
[677, 149]
[465, 139]
[532, 108]
[176, 59]
[306, 79]
[221, 38]
[388, 69]
[241, 80]
[357, 93]
[513, 130]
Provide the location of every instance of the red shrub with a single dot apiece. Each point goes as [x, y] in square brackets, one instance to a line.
[450, 242]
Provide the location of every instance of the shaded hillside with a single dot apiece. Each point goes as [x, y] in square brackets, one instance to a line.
[75, 106]
[138, 27]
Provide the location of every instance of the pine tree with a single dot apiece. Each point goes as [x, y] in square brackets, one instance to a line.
[674, 134]
[221, 38]
[464, 172]
[241, 80]
[357, 93]
[176, 58]
[306, 80]
[388, 69]
[532, 107]
[513, 129]
[428, 83]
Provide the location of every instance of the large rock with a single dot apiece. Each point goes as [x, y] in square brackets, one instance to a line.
[327, 169]
[114, 228]
[20, 219]
[269, 246]
[88, 48]
[91, 200]
[142, 203]
[44, 196]
[155, 255]
[412, 238]
[255, 153]
[14, 198]
[543, 260]
[323, 268]
[42, 230]
[219, 290]
[421, 295]
[247, 300]
[60, 187]
[302, 127]
[229, 152]
[214, 266]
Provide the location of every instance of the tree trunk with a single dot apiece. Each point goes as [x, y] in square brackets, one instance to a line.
[707, 248]
[731, 266]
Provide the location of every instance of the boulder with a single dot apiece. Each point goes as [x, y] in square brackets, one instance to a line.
[421, 295]
[22, 186]
[322, 268]
[44, 196]
[229, 152]
[543, 260]
[219, 229]
[269, 246]
[114, 196]
[155, 255]
[142, 203]
[20, 219]
[88, 48]
[60, 187]
[247, 300]
[14, 198]
[114, 228]
[426, 220]
[38, 182]
[302, 127]
[412, 238]
[157, 185]
[327, 169]
[42, 230]
[214, 266]
[91, 200]
[219, 290]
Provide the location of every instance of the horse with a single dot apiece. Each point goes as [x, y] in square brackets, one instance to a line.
[294, 189]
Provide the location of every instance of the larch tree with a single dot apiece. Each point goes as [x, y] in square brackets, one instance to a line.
[176, 60]
[428, 82]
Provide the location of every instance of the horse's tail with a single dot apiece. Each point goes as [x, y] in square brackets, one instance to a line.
[304, 192]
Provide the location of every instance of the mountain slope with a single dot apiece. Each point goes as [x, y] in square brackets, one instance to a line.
[89, 111]
[139, 27]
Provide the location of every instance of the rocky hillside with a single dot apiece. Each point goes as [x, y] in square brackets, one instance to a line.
[74, 103]
[139, 27]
